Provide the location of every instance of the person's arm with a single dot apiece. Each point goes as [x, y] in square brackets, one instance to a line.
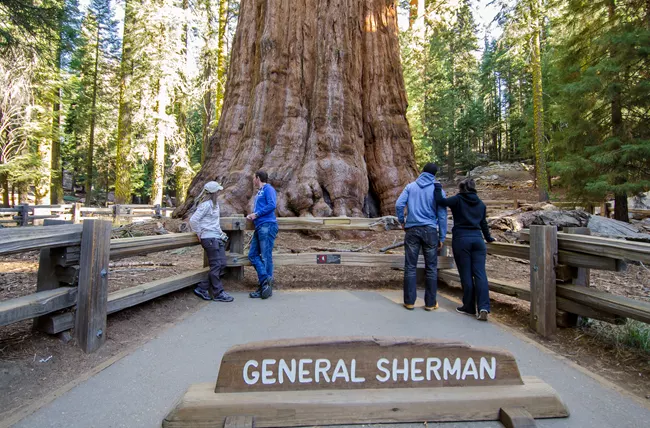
[195, 220]
[485, 228]
[271, 200]
[439, 196]
[401, 203]
[441, 213]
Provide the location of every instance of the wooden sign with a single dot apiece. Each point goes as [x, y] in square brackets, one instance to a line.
[362, 363]
[359, 380]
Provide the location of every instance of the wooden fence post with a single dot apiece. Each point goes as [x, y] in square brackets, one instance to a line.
[76, 213]
[236, 238]
[90, 323]
[543, 260]
[46, 278]
[24, 214]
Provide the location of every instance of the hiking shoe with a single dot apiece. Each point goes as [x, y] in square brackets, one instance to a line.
[431, 308]
[223, 297]
[461, 310]
[202, 293]
[482, 315]
[267, 289]
[409, 307]
[255, 294]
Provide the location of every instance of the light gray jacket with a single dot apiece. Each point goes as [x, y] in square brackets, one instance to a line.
[205, 221]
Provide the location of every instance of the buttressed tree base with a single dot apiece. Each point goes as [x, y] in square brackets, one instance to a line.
[315, 97]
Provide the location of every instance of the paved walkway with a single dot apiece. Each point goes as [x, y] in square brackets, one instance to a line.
[140, 389]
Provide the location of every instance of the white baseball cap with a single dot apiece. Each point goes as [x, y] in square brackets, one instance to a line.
[212, 186]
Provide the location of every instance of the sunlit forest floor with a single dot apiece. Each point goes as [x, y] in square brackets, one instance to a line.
[34, 364]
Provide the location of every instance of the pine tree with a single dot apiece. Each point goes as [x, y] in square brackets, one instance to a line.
[603, 97]
[124, 130]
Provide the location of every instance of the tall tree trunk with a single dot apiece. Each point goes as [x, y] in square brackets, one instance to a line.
[315, 97]
[56, 183]
[4, 183]
[618, 127]
[209, 63]
[221, 59]
[93, 121]
[538, 107]
[157, 180]
[122, 161]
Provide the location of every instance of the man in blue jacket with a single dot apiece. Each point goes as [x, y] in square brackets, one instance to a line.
[266, 229]
[426, 228]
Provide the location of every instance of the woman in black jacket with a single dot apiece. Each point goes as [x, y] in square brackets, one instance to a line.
[468, 246]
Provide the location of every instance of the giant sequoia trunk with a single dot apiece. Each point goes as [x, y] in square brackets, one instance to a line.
[315, 97]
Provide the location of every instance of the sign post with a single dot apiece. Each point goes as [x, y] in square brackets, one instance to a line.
[354, 380]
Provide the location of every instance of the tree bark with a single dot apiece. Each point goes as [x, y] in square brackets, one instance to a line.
[316, 98]
[122, 161]
[93, 121]
[538, 107]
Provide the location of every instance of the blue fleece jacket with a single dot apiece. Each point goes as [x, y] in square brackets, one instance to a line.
[422, 207]
[265, 202]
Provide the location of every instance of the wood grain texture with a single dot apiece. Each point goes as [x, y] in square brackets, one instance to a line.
[543, 260]
[21, 239]
[238, 422]
[37, 304]
[604, 247]
[201, 407]
[516, 417]
[360, 355]
[90, 322]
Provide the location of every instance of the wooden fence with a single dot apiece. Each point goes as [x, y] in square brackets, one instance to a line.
[73, 268]
[25, 215]
[560, 264]
[73, 265]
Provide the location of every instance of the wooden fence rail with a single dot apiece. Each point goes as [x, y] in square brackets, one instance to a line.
[62, 244]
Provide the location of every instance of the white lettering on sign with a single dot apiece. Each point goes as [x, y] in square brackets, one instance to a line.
[267, 373]
[433, 365]
[383, 369]
[322, 370]
[284, 370]
[303, 372]
[491, 369]
[322, 367]
[256, 376]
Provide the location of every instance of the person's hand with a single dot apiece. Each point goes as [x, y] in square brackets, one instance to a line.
[490, 239]
[440, 244]
[251, 216]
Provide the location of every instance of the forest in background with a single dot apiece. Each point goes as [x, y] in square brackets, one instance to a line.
[119, 99]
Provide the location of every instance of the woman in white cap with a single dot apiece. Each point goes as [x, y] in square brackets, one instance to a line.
[205, 222]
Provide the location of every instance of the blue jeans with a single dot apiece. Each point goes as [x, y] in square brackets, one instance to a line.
[261, 251]
[469, 254]
[425, 237]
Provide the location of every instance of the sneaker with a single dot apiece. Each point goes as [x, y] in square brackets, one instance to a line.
[202, 293]
[482, 315]
[409, 307]
[267, 289]
[461, 310]
[255, 294]
[223, 297]
[431, 308]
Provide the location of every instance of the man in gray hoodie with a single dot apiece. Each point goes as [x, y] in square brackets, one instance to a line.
[426, 228]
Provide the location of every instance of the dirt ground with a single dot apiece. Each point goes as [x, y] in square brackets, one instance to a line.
[34, 364]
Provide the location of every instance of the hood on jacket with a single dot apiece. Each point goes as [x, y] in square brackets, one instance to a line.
[425, 179]
[470, 198]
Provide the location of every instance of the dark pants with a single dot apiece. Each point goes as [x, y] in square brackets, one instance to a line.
[425, 237]
[470, 253]
[261, 251]
[216, 252]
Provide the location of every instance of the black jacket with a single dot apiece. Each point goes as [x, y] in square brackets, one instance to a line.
[468, 211]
